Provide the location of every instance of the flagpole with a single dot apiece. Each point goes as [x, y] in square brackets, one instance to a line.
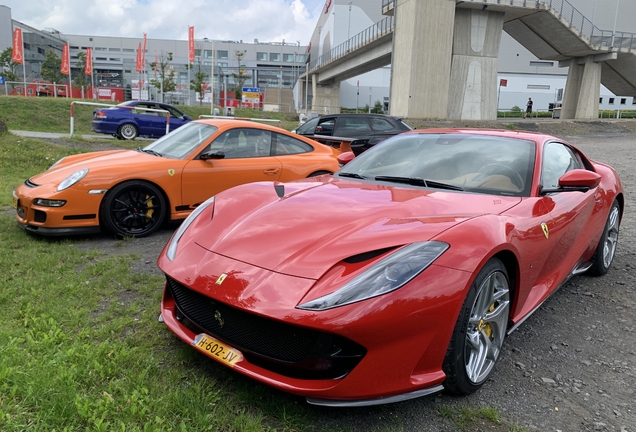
[92, 72]
[212, 83]
[68, 58]
[24, 69]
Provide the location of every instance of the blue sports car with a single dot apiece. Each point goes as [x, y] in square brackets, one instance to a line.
[132, 119]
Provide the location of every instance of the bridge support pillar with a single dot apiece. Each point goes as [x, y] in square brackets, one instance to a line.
[582, 89]
[444, 62]
[326, 98]
[421, 60]
[473, 91]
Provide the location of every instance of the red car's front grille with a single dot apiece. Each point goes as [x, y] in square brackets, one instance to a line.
[283, 348]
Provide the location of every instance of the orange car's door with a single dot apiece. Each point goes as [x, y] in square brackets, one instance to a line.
[246, 159]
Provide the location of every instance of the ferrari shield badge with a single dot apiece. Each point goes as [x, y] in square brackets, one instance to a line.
[544, 227]
[171, 172]
[220, 279]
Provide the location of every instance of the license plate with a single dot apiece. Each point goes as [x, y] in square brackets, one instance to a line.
[217, 350]
[14, 203]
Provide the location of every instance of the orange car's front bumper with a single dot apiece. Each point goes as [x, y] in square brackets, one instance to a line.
[79, 214]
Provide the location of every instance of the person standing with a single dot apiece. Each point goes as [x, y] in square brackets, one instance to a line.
[528, 108]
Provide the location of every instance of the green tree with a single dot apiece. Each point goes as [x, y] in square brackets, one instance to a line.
[377, 108]
[50, 69]
[9, 67]
[81, 79]
[196, 84]
[241, 76]
[164, 82]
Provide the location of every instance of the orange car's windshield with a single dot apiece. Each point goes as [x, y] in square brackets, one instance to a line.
[181, 142]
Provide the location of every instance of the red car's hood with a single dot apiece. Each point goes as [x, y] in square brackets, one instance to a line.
[319, 223]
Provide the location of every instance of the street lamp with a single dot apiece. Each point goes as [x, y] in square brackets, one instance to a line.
[349, 27]
[618, 2]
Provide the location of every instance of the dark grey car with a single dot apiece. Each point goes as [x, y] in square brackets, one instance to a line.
[367, 129]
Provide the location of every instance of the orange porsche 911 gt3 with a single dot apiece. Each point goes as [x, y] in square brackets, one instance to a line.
[132, 192]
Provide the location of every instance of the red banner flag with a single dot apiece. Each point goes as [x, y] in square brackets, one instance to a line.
[139, 66]
[156, 64]
[18, 49]
[88, 70]
[65, 68]
[143, 54]
[191, 44]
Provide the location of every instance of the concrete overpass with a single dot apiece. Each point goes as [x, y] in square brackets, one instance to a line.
[435, 43]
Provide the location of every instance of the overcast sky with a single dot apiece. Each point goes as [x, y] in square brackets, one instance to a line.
[265, 20]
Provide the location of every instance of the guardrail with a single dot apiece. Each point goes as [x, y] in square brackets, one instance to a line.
[565, 11]
[280, 123]
[118, 106]
[370, 34]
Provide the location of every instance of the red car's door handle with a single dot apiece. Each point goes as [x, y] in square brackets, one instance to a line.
[271, 171]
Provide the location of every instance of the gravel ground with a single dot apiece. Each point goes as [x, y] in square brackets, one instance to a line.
[570, 367]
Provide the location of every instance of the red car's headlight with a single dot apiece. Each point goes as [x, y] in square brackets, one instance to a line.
[174, 241]
[387, 275]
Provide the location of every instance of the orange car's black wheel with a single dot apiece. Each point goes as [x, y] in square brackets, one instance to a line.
[318, 173]
[133, 209]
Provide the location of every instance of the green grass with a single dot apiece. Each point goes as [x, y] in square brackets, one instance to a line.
[53, 114]
[483, 418]
[82, 350]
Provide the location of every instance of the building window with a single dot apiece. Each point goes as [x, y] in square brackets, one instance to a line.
[127, 71]
[207, 53]
[261, 56]
[74, 47]
[611, 101]
[542, 63]
[538, 87]
[100, 48]
[300, 58]
[600, 100]
[274, 57]
[101, 58]
[222, 64]
[221, 54]
[128, 50]
[634, 101]
[74, 57]
[27, 46]
[41, 51]
[197, 53]
[114, 49]
[623, 101]
[114, 59]
[288, 58]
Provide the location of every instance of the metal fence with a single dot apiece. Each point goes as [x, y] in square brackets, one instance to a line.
[377, 30]
[564, 10]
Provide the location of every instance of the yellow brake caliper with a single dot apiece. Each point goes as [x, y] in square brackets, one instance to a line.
[486, 327]
[149, 212]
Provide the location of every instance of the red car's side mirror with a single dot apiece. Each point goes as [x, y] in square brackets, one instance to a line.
[345, 158]
[579, 178]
